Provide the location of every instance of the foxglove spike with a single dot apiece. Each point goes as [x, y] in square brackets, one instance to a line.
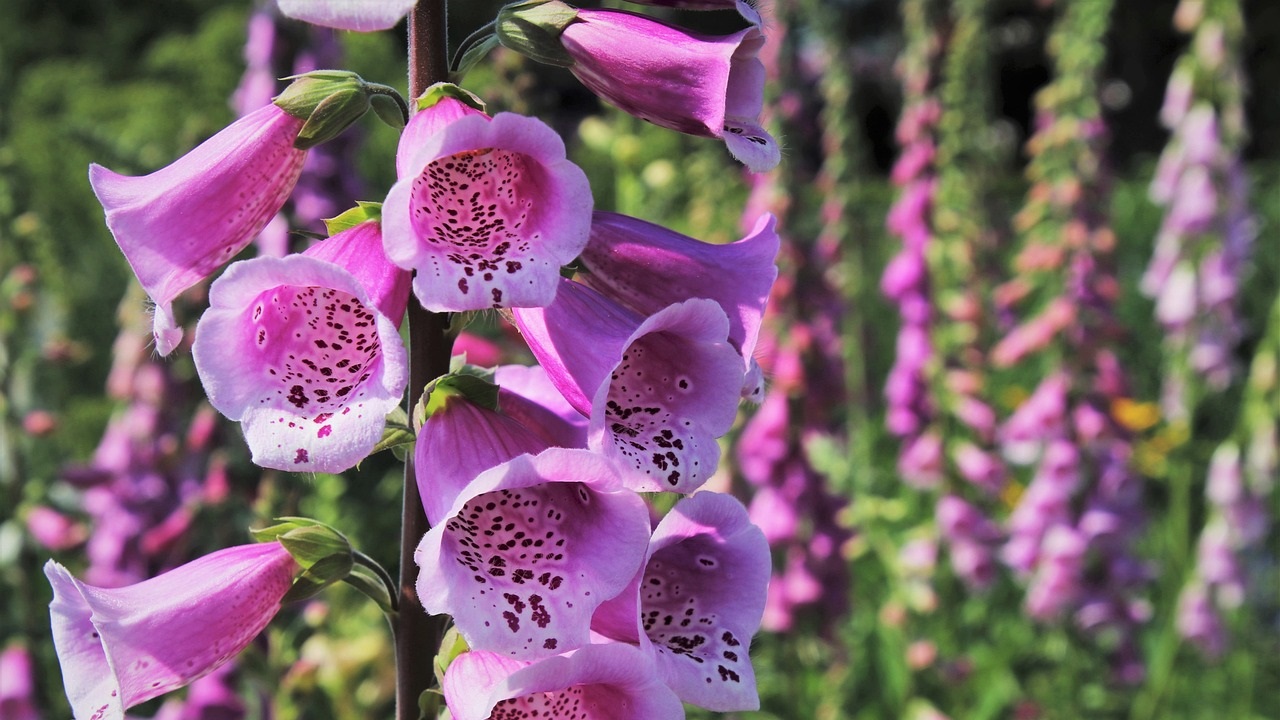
[658, 390]
[598, 682]
[299, 352]
[121, 647]
[648, 267]
[701, 599]
[528, 551]
[486, 210]
[182, 222]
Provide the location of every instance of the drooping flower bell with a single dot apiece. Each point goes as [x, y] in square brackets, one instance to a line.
[305, 353]
[359, 15]
[744, 8]
[658, 390]
[705, 85]
[698, 601]
[121, 647]
[528, 551]
[609, 681]
[647, 267]
[182, 222]
[486, 209]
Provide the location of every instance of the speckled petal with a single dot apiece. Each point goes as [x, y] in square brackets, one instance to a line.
[120, 647]
[529, 550]
[597, 682]
[182, 222]
[359, 15]
[295, 350]
[486, 213]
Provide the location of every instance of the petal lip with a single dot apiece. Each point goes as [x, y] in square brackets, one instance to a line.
[358, 15]
[281, 433]
[554, 234]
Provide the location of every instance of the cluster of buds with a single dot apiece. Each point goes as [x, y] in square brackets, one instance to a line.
[564, 592]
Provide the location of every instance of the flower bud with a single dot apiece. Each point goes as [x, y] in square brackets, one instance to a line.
[330, 101]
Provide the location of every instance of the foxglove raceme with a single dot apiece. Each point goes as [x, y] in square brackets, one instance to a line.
[121, 647]
[647, 267]
[179, 224]
[304, 352]
[609, 681]
[486, 210]
[705, 85]
[698, 601]
[529, 549]
[659, 390]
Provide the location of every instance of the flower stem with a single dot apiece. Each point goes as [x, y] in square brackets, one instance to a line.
[418, 634]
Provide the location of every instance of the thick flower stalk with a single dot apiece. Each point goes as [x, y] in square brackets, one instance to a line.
[304, 350]
[658, 390]
[486, 209]
[705, 85]
[529, 549]
[121, 647]
[597, 682]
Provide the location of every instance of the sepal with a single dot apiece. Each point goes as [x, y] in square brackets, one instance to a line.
[533, 28]
[330, 101]
[475, 385]
[324, 554]
[439, 91]
[362, 212]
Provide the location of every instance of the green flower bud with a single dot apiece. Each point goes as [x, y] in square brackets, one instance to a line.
[330, 101]
[533, 28]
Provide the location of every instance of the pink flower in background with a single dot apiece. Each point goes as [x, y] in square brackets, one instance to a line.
[121, 647]
[182, 222]
[711, 86]
[304, 352]
[659, 390]
[609, 681]
[486, 210]
[529, 549]
[17, 686]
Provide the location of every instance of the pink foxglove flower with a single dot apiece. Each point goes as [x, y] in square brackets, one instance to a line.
[609, 681]
[121, 647]
[698, 601]
[648, 267]
[304, 352]
[486, 210]
[743, 7]
[711, 86]
[17, 687]
[529, 550]
[659, 390]
[526, 393]
[359, 15]
[182, 222]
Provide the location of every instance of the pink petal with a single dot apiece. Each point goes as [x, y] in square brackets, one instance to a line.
[359, 15]
[528, 395]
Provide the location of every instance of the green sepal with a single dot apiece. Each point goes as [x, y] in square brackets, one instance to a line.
[473, 56]
[441, 90]
[362, 212]
[451, 646]
[533, 27]
[371, 586]
[330, 101]
[388, 110]
[322, 573]
[397, 434]
[474, 385]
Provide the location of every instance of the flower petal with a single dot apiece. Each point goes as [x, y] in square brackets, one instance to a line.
[359, 15]
[528, 395]
[529, 550]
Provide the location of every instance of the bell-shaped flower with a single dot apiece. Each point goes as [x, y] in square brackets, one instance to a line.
[485, 210]
[698, 601]
[17, 686]
[182, 222]
[610, 681]
[529, 549]
[123, 646]
[658, 390]
[648, 267]
[358, 15]
[526, 393]
[743, 7]
[304, 352]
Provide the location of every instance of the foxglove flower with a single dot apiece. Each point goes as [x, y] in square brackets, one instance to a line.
[179, 224]
[529, 550]
[647, 267]
[17, 691]
[359, 15]
[744, 8]
[486, 210]
[658, 390]
[121, 647]
[597, 682]
[698, 601]
[304, 352]
[526, 394]
[705, 85]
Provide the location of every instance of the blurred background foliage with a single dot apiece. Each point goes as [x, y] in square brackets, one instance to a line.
[131, 84]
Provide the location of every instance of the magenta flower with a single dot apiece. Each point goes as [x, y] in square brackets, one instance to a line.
[359, 15]
[698, 601]
[182, 222]
[529, 550]
[597, 682]
[743, 7]
[526, 394]
[647, 267]
[304, 352]
[17, 691]
[706, 85]
[121, 647]
[486, 210]
[658, 390]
